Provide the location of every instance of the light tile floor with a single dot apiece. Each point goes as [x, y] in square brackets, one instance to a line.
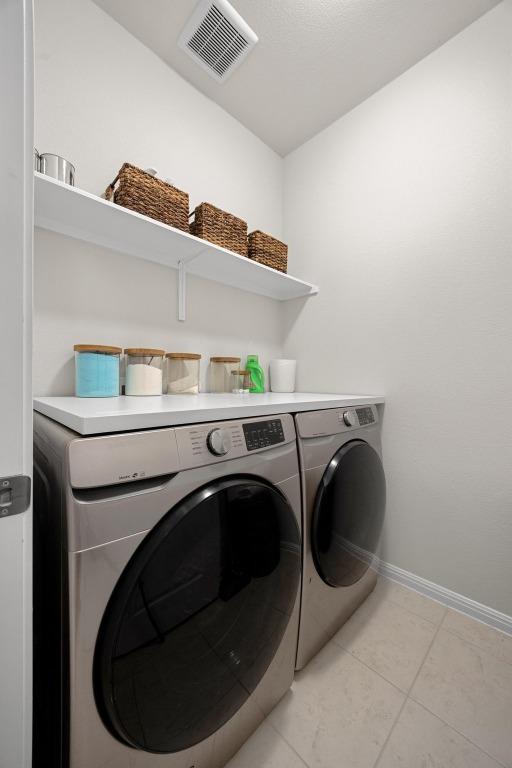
[405, 683]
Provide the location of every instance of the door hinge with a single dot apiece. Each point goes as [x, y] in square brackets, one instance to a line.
[14, 495]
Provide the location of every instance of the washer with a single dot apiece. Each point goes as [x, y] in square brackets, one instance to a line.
[344, 494]
[168, 566]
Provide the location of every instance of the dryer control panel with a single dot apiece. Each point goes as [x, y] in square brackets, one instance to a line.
[357, 417]
[334, 421]
[365, 415]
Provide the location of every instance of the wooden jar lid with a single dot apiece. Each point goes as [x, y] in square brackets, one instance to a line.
[225, 359]
[97, 348]
[140, 352]
[183, 356]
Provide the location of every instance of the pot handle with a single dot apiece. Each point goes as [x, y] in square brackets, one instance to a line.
[109, 192]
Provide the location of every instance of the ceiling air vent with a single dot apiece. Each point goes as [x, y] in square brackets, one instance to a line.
[217, 38]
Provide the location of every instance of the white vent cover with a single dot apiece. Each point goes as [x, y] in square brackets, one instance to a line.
[217, 38]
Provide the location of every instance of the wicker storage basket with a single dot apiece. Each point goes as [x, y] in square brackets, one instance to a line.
[152, 197]
[267, 250]
[219, 227]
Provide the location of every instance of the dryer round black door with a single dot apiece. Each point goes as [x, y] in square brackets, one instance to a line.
[348, 514]
[197, 615]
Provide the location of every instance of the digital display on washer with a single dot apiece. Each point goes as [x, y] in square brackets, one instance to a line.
[365, 416]
[262, 434]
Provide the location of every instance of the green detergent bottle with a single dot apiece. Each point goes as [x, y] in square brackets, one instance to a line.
[256, 371]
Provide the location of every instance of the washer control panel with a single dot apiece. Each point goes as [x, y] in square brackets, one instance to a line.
[128, 457]
[262, 434]
[211, 440]
[202, 444]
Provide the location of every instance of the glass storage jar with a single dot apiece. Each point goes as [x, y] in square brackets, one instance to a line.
[144, 369]
[240, 382]
[220, 372]
[183, 373]
[96, 370]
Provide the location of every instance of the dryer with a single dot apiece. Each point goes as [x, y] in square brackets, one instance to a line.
[344, 498]
[167, 573]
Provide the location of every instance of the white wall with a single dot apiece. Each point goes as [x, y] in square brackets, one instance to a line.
[401, 212]
[94, 295]
[102, 98]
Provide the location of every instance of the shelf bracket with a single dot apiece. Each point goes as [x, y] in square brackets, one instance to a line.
[182, 285]
[182, 291]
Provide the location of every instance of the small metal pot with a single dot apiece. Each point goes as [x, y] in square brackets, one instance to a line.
[57, 167]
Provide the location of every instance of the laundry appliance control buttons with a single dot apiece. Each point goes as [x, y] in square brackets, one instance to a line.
[219, 442]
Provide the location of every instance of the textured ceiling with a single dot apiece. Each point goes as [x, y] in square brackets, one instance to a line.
[316, 59]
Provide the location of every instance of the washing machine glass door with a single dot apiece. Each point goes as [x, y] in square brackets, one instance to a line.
[197, 615]
[348, 514]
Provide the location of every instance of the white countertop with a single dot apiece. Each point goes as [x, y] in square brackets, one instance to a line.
[92, 416]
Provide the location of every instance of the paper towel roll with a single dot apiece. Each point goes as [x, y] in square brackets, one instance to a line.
[282, 375]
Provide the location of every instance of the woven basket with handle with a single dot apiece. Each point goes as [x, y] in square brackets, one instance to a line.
[138, 190]
[268, 250]
[220, 227]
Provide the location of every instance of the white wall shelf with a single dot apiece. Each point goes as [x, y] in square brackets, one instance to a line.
[76, 213]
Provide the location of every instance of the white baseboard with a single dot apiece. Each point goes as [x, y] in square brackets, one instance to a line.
[445, 596]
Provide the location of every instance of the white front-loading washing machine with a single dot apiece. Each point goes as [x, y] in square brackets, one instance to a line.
[344, 499]
[167, 574]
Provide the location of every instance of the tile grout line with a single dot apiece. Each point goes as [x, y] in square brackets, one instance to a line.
[269, 722]
[365, 665]
[475, 645]
[463, 735]
[439, 624]
[415, 613]
[404, 693]
[407, 696]
[403, 608]
[417, 592]
[491, 617]
[373, 671]
[381, 750]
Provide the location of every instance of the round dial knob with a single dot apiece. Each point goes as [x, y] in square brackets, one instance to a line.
[219, 442]
[349, 418]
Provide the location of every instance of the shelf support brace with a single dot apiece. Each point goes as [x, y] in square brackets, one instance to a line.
[182, 291]
[182, 285]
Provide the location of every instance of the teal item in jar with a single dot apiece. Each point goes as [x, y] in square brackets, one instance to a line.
[96, 370]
